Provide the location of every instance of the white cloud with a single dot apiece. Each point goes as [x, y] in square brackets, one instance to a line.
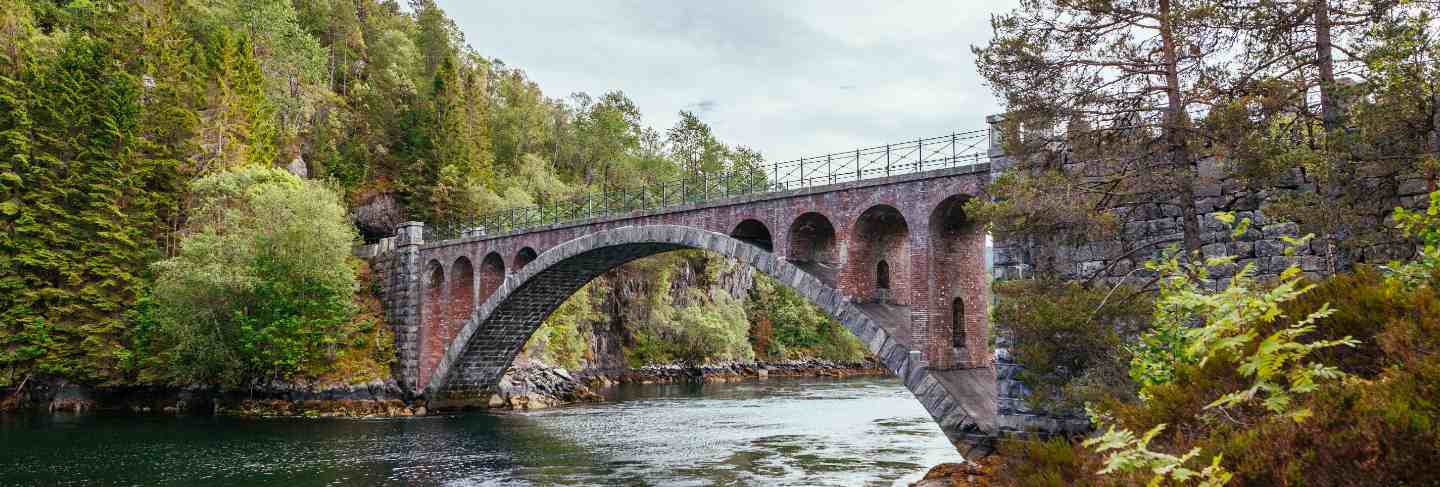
[790, 78]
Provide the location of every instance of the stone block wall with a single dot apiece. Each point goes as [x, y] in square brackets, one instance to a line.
[1147, 229]
[396, 261]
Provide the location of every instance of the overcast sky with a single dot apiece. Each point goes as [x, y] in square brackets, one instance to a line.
[789, 78]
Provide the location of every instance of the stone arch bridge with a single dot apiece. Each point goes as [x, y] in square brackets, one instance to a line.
[891, 257]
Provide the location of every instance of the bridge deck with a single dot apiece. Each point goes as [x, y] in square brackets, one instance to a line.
[749, 198]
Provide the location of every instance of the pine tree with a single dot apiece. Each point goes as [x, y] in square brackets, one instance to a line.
[81, 211]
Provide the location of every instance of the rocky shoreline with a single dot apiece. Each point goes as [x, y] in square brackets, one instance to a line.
[958, 475]
[734, 372]
[536, 386]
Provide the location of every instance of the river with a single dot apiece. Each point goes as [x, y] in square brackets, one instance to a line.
[858, 431]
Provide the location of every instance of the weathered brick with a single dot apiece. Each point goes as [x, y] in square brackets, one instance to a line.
[463, 308]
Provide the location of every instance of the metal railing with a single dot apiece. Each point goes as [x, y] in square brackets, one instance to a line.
[946, 151]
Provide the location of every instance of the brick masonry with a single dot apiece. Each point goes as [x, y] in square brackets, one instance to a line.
[453, 340]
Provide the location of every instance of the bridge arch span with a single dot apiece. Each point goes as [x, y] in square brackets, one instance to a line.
[492, 336]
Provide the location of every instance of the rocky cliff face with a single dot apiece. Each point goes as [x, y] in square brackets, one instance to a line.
[628, 296]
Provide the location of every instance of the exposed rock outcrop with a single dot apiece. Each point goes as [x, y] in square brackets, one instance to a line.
[538, 387]
[955, 475]
[378, 215]
[734, 372]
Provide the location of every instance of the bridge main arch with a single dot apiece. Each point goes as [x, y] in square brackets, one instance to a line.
[491, 337]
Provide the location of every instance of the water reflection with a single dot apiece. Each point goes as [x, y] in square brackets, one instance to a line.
[779, 432]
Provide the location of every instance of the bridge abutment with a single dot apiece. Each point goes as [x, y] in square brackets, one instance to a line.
[399, 265]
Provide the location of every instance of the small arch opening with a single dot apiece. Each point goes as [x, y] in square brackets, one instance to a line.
[492, 274]
[812, 240]
[432, 315]
[754, 233]
[957, 323]
[462, 294]
[879, 258]
[524, 257]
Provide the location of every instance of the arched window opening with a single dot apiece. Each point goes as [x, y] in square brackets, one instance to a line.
[882, 275]
[957, 322]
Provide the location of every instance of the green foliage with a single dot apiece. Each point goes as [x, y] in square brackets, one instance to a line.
[82, 199]
[696, 324]
[109, 110]
[1396, 409]
[797, 329]
[239, 127]
[293, 64]
[1194, 326]
[263, 284]
[561, 339]
[1129, 454]
[1424, 226]
[717, 330]
[1070, 339]
[1229, 323]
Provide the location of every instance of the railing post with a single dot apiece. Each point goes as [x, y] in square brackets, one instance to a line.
[920, 144]
[802, 173]
[887, 160]
[858, 173]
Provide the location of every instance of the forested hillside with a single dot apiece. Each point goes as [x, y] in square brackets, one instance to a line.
[150, 235]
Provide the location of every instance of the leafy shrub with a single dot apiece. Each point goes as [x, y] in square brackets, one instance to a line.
[1278, 421]
[263, 283]
[716, 331]
[797, 329]
[1070, 339]
[561, 339]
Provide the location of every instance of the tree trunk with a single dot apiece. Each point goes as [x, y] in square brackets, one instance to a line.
[1434, 141]
[1175, 113]
[1325, 60]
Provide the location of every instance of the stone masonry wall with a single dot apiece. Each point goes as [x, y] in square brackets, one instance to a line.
[1149, 228]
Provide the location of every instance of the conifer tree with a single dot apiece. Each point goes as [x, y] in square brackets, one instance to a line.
[1122, 76]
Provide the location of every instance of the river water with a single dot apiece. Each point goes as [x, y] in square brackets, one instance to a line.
[859, 431]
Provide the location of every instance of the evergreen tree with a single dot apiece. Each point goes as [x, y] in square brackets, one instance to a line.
[80, 210]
